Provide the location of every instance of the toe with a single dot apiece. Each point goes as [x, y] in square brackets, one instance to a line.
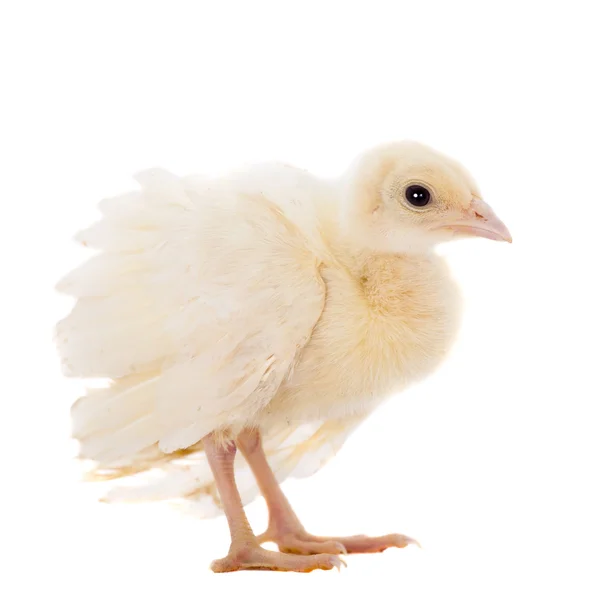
[365, 544]
[294, 545]
[336, 562]
[398, 540]
[224, 565]
[267, 536]
[259, 558]
[305, 564]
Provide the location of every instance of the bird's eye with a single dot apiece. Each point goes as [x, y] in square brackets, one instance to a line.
[417, 195]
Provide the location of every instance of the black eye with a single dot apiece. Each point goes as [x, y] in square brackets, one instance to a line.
[417, 195]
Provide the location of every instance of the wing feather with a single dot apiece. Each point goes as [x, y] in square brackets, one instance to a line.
[196, 308]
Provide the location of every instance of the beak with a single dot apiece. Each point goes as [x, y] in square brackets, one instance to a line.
[481, 221]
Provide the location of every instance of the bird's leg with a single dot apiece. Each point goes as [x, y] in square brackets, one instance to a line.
[284, 527]
[245, 551]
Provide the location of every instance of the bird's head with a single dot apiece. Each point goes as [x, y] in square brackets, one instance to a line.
[406, 197]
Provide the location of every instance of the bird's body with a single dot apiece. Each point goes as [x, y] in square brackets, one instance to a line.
[387, 322]
[268, 300]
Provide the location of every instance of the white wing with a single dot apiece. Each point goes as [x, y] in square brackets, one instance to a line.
[197, 306]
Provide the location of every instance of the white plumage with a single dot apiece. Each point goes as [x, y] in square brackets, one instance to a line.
[196, 308]
[267, 298]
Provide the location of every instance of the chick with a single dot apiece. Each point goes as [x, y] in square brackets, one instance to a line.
[266, 312]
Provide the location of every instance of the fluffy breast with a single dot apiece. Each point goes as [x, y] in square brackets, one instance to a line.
[383, 327]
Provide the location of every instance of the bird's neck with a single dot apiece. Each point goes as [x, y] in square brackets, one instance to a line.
[350, 250]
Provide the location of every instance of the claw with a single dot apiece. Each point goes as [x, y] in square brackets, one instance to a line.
[404, 540]
[342, 549]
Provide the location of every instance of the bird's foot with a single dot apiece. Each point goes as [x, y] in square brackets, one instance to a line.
[301, 542]
[257, 558]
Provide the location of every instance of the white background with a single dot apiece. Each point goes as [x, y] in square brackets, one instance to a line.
[493, 462]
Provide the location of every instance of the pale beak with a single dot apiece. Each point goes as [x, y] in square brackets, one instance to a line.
[481, 221]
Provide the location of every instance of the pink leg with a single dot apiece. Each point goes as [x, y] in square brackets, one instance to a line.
[284, 527]
[245, 551]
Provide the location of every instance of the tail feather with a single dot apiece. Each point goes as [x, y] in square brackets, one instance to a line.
[122, 443]
[113, 408]
[184, 477]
